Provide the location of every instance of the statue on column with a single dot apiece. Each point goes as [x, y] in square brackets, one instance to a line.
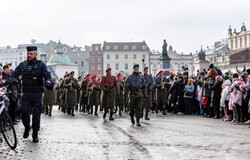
[164, 50]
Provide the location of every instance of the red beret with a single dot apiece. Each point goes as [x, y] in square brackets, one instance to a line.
[79, 77]
[72, 72]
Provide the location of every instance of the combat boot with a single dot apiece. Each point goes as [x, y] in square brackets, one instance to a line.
[26, 132]
[120, 112]
[164, 112]
[72, 112]
[146, 116]
[50, 110]
[138, 121]
[96, 109]
[132, 119]
[111, 116]
[46, 110]
[35, 137]
[104, 115]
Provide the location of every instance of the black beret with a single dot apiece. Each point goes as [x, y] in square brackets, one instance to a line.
[248, 71]
[211, 66]
[136, 65]
[31, 48]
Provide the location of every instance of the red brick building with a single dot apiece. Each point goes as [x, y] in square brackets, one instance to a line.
[96, 60]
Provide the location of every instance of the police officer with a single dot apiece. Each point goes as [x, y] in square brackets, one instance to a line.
[34, 73]
[136, 86]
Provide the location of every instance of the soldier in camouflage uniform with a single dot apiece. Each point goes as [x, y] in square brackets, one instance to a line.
[71, 86]
[79, 81]
[49, 98]
[147, 103]
[94, 95]
[62, 93]
[161, 92]
[108, 85]
[84, 94]
[136, 86]
[119, 94]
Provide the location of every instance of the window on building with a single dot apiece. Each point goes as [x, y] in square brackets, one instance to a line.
[99, 60]
[126, 66]
[96, 48]
[75, 62]
[144, 56]
[115, 47]
[126, 56]
[179, 65]
[93, 60]
[108, 65]
[82, 63]
[125, 47]
[134, 47]
[92, 67]
[108, 56]
[107, 47]
[144, 47]
[116, 56]
[223, 58]
[214, 59]
[99, 67]
[134, 56]
[117, 66]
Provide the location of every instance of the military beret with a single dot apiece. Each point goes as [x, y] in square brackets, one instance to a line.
[31, 48]
[145, 68]
[79, 77]
[72, 72]
[136, 65]
[119, 74]
[108, 69]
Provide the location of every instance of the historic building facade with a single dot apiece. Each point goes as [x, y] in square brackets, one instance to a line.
[228, 53]
[121, 56]
[96, 60]
[176, 62]
[238, 40]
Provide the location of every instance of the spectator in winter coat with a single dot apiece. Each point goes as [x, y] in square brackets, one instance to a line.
[216, 88]
[188, 96]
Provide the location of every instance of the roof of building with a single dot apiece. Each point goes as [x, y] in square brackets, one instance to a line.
[60, 59]
[125, 46]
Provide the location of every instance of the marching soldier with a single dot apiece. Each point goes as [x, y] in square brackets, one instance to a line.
[136, 86]
[161, 92]
[71, 86]
[49, 98]
[79, 80]
[94, 95]
[62, 93]
[108, 85]
[119, 94]
[84, 93]
[147, 103]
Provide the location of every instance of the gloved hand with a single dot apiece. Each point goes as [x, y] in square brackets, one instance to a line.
[49, 85]
[106, 90]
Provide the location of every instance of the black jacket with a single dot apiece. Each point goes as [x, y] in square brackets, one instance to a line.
[173, 91]
[217, 93]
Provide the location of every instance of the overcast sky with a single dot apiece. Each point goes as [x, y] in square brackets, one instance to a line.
[185, 24]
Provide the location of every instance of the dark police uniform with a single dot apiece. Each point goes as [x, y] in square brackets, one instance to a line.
[33, 73]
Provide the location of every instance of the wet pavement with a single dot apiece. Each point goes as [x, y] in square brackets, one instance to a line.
[172, 137]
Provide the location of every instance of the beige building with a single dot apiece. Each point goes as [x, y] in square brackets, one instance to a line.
[238, 40]
[228, 53]
[121, 56]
